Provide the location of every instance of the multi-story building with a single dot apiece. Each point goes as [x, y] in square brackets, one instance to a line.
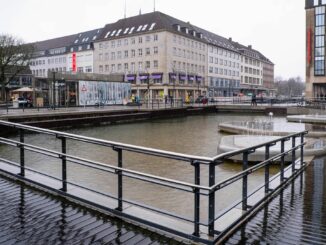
[223, 67]
[160, 55]
[157, 53]
[72, 53]
[315, 50]
[251, 70]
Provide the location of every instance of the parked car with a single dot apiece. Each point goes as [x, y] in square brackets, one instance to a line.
[24, 102]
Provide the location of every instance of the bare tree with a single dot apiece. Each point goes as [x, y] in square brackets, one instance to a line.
[294, 86]
[14, 57]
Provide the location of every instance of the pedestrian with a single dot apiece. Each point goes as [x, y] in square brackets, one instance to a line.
[253, 100]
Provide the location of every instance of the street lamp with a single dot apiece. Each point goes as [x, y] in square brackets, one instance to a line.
[53, 89]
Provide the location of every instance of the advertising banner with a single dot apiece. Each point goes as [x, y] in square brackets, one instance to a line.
[107, 93]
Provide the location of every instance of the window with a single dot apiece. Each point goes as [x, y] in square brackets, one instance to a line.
[100, 68]
[211, 60]
[148, 64]
[119, 67]
[107, 68]
[148, 38]
[113, 68]
[126, 42]
[155, 63]
[126, 53]
[133, 53]
[119, 43]
[319, 62]
[140, 52]
[113, 56]
[140, 40]
[133, 67]
[316, 2]
[133, 40]
[112, 44]
[140, 65]
[155, 50]
[126, 66]
[119, 54]
[155, 37]
[148, 51]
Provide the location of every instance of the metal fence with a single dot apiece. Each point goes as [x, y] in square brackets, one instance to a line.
[203, 230]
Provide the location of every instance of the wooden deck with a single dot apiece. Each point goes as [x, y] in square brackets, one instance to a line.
[29, 216]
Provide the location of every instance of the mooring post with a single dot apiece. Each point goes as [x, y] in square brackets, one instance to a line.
[196, 198]
[245, 181]
[22, 153]
[267, 169]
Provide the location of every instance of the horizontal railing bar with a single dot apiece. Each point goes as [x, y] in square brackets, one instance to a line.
[127, 147]
[71, 158]
[238, 176]
[30, 169]
[237, 152]
[132, 177]
[225, 211]
[131, 202]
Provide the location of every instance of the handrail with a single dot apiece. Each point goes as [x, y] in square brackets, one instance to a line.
[127, 147]
[248, 149]
[196, 188]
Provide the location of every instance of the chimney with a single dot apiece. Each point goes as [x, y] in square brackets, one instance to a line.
[230, 39]
[250, 46]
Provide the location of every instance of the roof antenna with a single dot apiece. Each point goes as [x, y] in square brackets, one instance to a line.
[154, 5]
[139, 11]
[125, 8]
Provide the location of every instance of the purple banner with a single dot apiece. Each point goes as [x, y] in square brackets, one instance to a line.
[191, 78]
[131, 77]
[157, 76]
[199, 78]
[143, 76]
[173, 76]
[182, 77]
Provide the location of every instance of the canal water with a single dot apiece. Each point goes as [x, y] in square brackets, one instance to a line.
[196, 135]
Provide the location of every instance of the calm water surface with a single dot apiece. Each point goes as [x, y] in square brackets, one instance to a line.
[196, 135]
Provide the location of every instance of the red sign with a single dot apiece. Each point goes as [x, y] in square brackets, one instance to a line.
[309, 46]
[74, 66]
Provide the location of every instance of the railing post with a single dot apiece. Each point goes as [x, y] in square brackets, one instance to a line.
[119, 172]
[64, 163]
[245, 181]
[301, 149]
[293, 154]
[267, 169]
[211, 200]
[196, 198]
[22, 153]
[282, 161]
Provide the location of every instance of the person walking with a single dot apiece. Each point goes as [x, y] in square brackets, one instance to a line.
[253, 100]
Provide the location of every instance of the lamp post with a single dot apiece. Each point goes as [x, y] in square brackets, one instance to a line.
[53, 90]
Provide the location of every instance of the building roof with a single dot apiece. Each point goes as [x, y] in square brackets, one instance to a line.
[249, 51]
[156, 21]
[54, 43]
[85, 38]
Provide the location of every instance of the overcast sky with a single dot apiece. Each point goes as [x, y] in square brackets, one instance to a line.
[274, 27]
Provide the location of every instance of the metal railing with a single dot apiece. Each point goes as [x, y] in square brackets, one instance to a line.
[198, 190]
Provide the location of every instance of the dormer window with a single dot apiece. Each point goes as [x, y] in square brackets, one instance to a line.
[177, 27]
[187, 30]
